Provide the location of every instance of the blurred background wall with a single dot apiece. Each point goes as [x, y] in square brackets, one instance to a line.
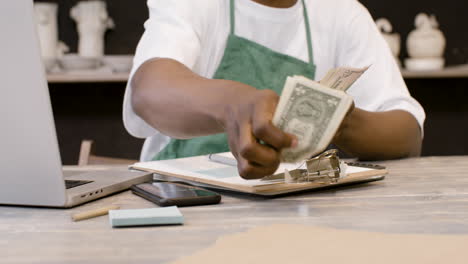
[93, 110]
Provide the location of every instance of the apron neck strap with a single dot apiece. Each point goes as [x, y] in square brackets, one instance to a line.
[308, 34]
[233, 18]
[306, 22]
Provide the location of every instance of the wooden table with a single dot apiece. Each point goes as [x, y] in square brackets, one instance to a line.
[421, 195]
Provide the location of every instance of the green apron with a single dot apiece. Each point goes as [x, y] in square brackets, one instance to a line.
[250, 63]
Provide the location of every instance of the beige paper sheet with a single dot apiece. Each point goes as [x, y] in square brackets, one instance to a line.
[307, 244]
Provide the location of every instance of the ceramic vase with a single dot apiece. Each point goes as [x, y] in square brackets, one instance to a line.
[92, 22]
[425, 44]
[47, 28]
[426, 41]
[393, 39]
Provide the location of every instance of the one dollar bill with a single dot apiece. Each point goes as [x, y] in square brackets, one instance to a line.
[312, 112]
[343, 77]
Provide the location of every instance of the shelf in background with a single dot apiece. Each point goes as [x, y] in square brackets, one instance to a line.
[70, 69]
[459, 71]
[87, 77]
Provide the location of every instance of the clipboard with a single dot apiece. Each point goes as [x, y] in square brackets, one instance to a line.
[201, 170]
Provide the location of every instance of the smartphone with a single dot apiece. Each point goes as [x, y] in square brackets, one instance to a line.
[171, 193]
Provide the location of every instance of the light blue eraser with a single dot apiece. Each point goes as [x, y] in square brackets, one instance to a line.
[150, 216]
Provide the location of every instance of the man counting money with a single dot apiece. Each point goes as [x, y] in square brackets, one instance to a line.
[207, 77]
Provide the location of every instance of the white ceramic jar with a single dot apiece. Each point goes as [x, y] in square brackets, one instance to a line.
[47, 28]
[92, 22]
[393, 39]
[426, 41]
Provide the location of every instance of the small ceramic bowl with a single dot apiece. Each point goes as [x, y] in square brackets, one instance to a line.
[73, 62]
[119, 63]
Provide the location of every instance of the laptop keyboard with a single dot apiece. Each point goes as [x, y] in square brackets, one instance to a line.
[72, 183]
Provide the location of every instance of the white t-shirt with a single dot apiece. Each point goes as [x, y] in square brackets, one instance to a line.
[343, 34]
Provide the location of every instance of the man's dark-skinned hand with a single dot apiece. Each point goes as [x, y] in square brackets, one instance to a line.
[379, 135]
[181, 104]
[343, 123]
[248, 122]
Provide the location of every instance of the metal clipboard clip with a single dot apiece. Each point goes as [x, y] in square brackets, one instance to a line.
[325, 168]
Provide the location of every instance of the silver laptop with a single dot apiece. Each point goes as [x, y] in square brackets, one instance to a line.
[30, 164]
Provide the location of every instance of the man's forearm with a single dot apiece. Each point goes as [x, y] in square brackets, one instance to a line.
[179, 103]
[380, 135]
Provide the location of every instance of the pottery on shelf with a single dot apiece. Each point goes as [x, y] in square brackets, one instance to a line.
[425, 44]
[393, 39]
[47, 28]
[424, 64]
[119, 63]
[75, 62]
[92, 22]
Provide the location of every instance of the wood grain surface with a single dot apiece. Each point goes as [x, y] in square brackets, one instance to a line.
[421, 195]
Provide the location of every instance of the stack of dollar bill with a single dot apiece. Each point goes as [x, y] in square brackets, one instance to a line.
[313, 111]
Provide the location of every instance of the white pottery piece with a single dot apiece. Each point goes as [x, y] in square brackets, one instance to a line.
[393, 39]
[49, 64]
[47, 28]
[424, 64]
[426, 41]
[92, 22]
[119, 63]
[75, 62]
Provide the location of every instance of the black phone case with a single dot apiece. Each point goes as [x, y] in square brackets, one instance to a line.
[182, 201]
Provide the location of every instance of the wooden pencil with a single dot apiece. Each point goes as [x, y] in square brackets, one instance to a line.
[94, 213]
